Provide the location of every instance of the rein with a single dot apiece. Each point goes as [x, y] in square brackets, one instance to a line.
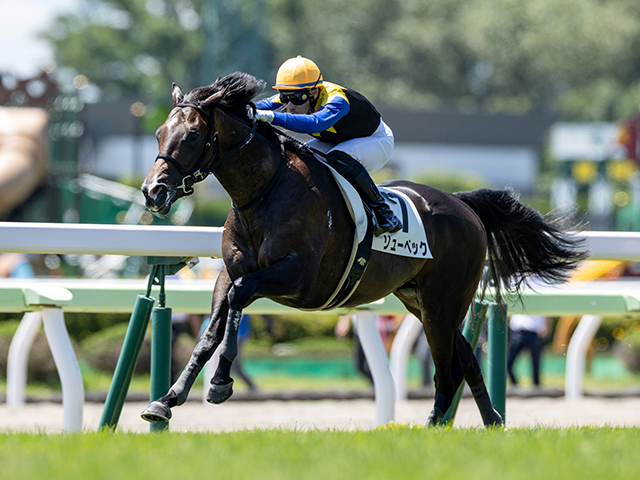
[304, 146]
[198, 174]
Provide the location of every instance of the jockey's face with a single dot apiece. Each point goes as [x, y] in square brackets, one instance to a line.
[303, 108]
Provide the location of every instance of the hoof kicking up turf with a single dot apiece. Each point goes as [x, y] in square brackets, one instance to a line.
[156, 412]
[220, 393]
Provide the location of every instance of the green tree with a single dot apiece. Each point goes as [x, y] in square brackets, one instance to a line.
[576, 57]
[136, 47]
[501, 55]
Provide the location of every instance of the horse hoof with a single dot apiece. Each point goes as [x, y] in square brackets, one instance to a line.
[220, 393]
[156, 412]
[494, 421]
[435, 417]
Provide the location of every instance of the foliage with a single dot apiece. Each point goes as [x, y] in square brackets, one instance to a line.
[575, 56]
[629, 351]
[131, 47]
[450, 183]
[287, 328]
[211, 211]
[102, 349]
[41, 367]
[502, 55]
[82, 325]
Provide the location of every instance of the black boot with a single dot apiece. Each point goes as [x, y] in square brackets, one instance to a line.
[385, 220]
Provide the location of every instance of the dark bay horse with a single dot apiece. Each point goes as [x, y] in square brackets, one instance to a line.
[288, 237]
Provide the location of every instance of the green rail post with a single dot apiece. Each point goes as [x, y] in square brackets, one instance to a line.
[498, 336]
[161, 333]
[133, 339]
[126, 362]
[160, 358]
[472, 330]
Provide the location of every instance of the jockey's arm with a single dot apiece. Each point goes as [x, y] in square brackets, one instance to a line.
[323, 119]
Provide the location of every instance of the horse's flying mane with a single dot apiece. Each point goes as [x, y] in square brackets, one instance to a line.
[239, 89]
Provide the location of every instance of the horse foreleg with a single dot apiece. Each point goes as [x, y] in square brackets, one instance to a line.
[277, 280]
[222, 383]
[160, 409]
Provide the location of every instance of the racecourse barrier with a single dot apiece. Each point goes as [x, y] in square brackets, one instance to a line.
[206, 241]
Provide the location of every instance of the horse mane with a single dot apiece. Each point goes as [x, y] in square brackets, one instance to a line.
[238, 90]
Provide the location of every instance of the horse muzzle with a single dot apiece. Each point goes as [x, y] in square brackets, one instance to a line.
[158, 197]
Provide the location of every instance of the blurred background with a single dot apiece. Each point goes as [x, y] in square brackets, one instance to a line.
[540, 96]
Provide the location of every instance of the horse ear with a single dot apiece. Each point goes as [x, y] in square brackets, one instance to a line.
[213, 99]
[177, 94]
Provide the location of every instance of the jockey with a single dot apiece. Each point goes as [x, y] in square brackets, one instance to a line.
[346, 126]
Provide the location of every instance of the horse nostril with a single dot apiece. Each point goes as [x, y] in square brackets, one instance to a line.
[157, 191]
[153, 191]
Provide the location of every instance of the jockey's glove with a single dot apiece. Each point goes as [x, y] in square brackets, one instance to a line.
[264, 115]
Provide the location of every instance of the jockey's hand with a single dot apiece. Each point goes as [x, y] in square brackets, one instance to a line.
[264, 115]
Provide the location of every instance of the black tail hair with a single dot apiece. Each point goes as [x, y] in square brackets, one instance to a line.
[523, 244]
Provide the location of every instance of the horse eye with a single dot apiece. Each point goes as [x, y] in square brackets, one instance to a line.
[194, 134]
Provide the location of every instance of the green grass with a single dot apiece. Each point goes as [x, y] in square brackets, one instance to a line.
[395, 452]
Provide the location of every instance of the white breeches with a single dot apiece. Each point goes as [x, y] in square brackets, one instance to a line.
[372, 152]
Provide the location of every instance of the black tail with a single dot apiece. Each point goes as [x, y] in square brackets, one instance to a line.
[522, 243]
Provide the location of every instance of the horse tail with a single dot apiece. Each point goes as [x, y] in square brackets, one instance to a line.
[522, 243]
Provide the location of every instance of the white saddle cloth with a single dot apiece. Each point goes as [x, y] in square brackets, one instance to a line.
[410, 241]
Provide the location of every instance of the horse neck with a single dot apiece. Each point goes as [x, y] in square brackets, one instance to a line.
[245, 173]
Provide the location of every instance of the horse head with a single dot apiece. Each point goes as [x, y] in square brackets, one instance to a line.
[191, 142]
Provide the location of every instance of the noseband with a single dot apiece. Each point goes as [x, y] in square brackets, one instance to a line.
[204, 166]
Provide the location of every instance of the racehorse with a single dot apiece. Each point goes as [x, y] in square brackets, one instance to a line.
[288, 237]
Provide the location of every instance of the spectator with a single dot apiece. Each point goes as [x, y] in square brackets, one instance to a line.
[387, 326]
[342, 330]
[180, 323]
[15, 265]
[527, 331]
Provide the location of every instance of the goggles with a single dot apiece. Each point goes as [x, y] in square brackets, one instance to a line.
[296, 97]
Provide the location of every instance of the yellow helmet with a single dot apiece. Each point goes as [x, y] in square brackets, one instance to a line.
[298, 73]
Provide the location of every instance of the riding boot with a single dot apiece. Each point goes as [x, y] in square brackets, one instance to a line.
[385, 221]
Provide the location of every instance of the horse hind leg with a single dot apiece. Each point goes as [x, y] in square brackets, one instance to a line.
[440, 331]
[473, 377]
[448, 374]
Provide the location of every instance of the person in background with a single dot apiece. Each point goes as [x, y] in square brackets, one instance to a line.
[181, 323]
[244, 334]
[527, 332]
[345, 323]
[387, 326]
[15, 265]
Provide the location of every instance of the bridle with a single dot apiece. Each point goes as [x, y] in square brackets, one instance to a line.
[204, 166]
